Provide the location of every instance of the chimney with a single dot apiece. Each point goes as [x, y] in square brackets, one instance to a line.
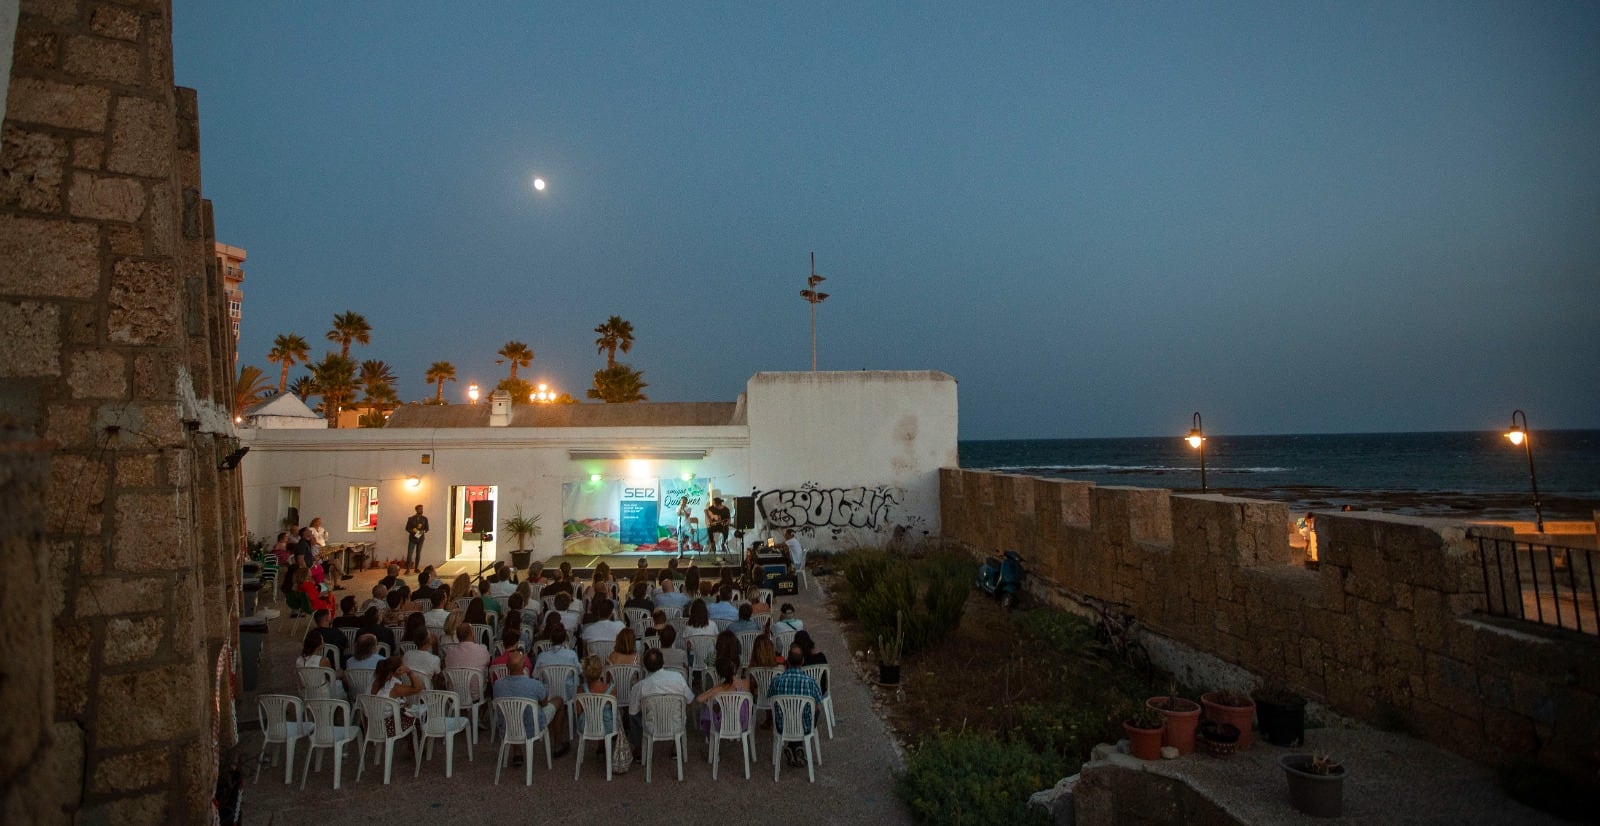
[499, 409]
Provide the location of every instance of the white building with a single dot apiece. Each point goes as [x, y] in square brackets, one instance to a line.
[843, 457]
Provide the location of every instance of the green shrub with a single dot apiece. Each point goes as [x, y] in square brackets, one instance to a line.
[975, 778]
[929, 593]
[1068, 730]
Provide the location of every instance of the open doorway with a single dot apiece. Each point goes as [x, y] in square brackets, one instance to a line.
[467, 539]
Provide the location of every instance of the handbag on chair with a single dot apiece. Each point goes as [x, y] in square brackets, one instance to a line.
[622, 755]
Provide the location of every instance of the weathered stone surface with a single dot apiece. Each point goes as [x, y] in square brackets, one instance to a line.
[35, 48]
[102, 59]
[132, 771]
[154, 378]
[143, 302]
[98, 374]
[72, 668]
[131, 640]
[88, 153]
[111, 595]
[127, 240]
[69, 106]
[81, 323]
[31, 170]
[76, 495]
[138, 470]
[111, 199]
[171, 687]
[144, 810]
[32, 332]
[141, 140]
[145, 538]
[48, 258]
[115, 21]
[66, 424]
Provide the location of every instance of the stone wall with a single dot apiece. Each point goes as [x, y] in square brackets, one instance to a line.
[1388, 629]
[121, 536]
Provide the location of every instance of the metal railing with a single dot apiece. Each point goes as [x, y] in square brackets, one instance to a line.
[1538, 582]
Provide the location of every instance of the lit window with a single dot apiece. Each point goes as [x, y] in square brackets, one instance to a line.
[364, 508]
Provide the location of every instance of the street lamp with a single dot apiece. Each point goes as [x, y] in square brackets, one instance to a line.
[472, 393]
[1519, 435]
[543, 394]
[813, 298]
[1197, 440]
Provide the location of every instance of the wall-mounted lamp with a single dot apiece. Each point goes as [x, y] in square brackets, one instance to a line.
[594, 477]
[231, 461]
[413, 482]
[1197, 440]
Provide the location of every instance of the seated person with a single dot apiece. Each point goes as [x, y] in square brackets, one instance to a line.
[570, 619]
[639, 597]
[348, 618]
[379, 600]
[787, 620]
[723, 608]
[746, 620]
[658, 680]
[658, 621]
[670, 596]
[675, 656]
[392, 579]
[366, 655]
[372, 623]
[467, 653]
[626, 649]
[602, 628]
[794, 681]
[517, 683]
[559, 655]
[425, 660]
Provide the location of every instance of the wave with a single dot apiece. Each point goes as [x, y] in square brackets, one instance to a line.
[1130, 469]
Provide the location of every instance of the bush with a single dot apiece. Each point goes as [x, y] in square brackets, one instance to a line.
[929, 593]
[975, 778]
[1068, 730]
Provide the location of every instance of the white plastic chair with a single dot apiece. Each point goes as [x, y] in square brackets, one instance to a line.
[722, 624]
[637, 618]
[623, 677]
[599, 648]
[283, 720]
[703, 651]
[375, 732]
[647, 643]
[561, 681]
[441, 720]
[407, 646]
[483, 634]
[515, 713]
[782, 638]
[316, 682]
[789, 713]
[734, 718]
[747, 643]
[328, 732]
[359, 681]
[332, 653]
[349, 637]
[461, 681]
[384, 650]
[593, 707]
[664, 720]
[498, 671]
[672, 611]
[819, 672]
[762, 678]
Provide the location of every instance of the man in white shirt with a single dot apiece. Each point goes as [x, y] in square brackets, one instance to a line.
[796, 554]
[570, 619]
[604, 629]
[657, 681]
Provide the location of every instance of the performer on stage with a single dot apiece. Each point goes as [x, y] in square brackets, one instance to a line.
[717, 518]
[416, 531]
[684, 536]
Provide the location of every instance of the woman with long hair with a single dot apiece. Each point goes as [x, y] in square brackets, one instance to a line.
[626, 649]
[763, 654]
[729, 678]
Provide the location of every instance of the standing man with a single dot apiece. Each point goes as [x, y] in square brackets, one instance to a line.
[796, 554]
[416, 531]
[717, 518]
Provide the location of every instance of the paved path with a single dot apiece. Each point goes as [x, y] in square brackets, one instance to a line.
[854, 782]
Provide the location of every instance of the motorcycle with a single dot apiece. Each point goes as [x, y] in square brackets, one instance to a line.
[1002, 578]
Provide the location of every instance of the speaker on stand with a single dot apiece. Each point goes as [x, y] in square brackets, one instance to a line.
[483, 526]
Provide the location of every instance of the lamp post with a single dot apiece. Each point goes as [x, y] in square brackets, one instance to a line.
[1197, 440]
[1519, 435]
[472, 393]
[543, 394]
[813, 298]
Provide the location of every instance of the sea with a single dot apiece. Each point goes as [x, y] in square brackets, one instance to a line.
[1468, 475]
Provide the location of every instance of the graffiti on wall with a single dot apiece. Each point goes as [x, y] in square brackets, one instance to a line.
[812, 506]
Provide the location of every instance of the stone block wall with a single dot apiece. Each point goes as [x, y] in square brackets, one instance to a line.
[122, 537]
[1389, 629]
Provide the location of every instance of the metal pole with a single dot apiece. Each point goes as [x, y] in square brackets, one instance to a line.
[1533, 478]
[1202, 466]
[813, 302]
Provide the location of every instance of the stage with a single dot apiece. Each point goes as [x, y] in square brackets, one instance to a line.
[623, 564]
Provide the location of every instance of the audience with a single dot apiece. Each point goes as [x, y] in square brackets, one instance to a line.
[517, 683]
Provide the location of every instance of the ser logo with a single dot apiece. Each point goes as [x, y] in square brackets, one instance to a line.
[638, 493]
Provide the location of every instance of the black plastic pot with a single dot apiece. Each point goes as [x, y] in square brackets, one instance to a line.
[1283, 721]
[888, 674]
[520, 559]
[1318, 795]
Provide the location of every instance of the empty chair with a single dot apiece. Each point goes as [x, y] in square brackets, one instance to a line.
[733, 718]
[747, 643]
[523, 726]
[623, 677]
[819, 672]
[562, 681]
[283, 720]
[467, 683]
[331, 730]
[664, 716]
[790, 712]
[600, 716]
[441, 720]
[384, 724]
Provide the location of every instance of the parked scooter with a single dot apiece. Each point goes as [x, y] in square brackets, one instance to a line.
[1002, 577]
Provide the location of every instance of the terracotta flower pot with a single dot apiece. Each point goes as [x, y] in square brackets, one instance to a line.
[1181, 719]
[1239, 717]
[1144, 743]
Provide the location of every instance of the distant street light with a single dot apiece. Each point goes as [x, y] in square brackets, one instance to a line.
[543, 394]
[1520, 435]
[472, 393]
[813, 298]
[1197, 440]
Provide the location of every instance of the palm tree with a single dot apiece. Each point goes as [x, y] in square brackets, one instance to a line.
[350, 326]
[618, 384]
[335, 381]
[438, 373]
[379, 397]
[519, 354]
[288, 350]
[305, 387]
[377, 381]
[615, 334]
[248, 388]
[518, 389]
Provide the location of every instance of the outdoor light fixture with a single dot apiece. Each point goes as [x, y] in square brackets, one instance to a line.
[1197, 440]
[472, 393]
[688, 477]
[543, 394]
[594, 477]
[1518, 434]
[813, 298]
[231, 461]
[413, 481]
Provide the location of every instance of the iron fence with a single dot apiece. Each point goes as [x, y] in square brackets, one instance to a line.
[1539, 582]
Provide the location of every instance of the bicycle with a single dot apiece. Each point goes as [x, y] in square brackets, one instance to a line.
[1116, 632]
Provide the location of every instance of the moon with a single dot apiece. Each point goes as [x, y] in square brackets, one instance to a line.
[538, 184]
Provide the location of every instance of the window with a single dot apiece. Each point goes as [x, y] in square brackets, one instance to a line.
[233, 308]
[364, 508]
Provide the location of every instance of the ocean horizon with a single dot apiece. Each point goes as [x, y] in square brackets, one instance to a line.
[1462, 474]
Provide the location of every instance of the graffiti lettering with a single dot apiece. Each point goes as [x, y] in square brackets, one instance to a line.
[812, 506]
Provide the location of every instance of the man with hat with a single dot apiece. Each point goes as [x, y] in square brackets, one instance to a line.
[717, 519]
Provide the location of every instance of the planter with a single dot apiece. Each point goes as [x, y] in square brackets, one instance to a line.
[888, 674]
[1283, 719]
[1318, 795]
[1240, 717]
[1220, 739]
[1181, 721]
[520, 559]
[1143, 743]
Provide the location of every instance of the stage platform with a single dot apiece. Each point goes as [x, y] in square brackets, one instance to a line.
[623, 564]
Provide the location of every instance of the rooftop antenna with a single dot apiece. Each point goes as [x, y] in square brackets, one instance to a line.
[813, 298]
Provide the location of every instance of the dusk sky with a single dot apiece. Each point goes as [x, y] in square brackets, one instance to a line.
[1097, 217]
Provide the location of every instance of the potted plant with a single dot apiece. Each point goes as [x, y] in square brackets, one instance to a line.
[522, 528]
[889, 651]
[1220, 739]
[1181, 715]
[1316, 783]
[1233, 708]
[1144, 729]
[1283, 716]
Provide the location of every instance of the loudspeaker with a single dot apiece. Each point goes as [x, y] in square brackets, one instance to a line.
[744, 512]
[482, 516]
